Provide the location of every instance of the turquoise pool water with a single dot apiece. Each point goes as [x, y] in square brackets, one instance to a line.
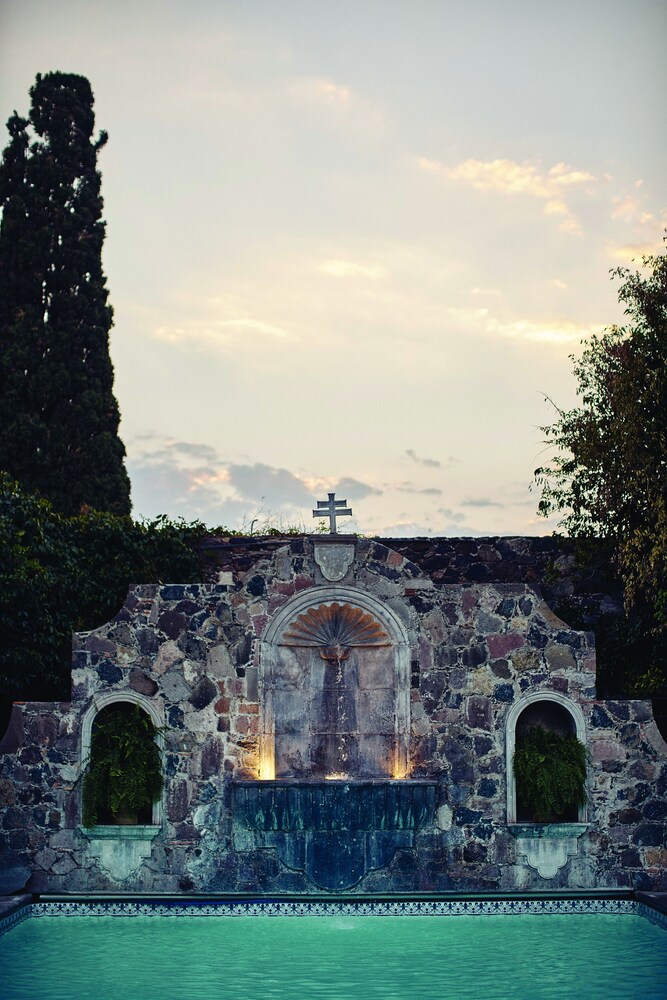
[343, 957]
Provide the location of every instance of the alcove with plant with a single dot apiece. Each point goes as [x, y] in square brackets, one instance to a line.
[550, 765]
[123, 775]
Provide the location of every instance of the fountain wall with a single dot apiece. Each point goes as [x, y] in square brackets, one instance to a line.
[333, 718]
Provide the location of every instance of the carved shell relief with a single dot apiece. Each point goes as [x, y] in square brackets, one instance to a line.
[335, 626]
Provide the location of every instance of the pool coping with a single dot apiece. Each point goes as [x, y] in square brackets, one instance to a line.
[649, 905]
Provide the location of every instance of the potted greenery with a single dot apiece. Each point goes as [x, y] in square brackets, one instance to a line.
[550, 774]
[123, 776]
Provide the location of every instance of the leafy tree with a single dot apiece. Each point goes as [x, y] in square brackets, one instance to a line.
[62, 574]
[608, 477]
[58, 415]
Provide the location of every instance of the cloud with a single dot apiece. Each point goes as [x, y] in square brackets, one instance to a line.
[451, 515]
[253, 325]
[203, 451]
[432, 463]
[268, 485]
[549, 331]
[220, 334]
[353, 489]
[194, 475]
[632, 253]
[626, 208]
[648, 232]
[429, 491]
[162, 484]
[481, 502]
[508, 177]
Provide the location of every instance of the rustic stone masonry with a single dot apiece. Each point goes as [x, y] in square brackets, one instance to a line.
[301, 652]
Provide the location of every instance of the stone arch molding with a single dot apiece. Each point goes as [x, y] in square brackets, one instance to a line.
[271, 648]
[307, 599]
[114, 698]
[577, 716]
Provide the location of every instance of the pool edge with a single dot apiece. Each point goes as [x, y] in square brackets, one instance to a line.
[651, 906]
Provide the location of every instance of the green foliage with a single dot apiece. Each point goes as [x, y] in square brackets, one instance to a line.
[58, 415]
[609, 475]
[124, 772]
[550, 773]
[61, 574]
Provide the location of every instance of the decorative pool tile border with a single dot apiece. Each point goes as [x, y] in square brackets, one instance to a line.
[14, 918]
[274, 908]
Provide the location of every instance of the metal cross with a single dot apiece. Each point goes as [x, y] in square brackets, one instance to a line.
[332, 509]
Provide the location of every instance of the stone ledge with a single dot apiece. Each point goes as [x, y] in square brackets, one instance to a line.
[555, 831]
[113, 831]
[547, 846]
[120, 850]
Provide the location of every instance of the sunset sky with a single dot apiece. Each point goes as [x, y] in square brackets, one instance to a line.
[351, 244]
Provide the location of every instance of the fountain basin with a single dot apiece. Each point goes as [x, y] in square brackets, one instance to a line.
[335, 831]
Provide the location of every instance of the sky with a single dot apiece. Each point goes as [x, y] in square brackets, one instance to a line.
[353, 245]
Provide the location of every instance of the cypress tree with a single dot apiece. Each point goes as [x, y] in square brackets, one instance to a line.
[58, 415]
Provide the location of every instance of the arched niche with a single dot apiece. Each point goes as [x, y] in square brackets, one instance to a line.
[552, 711]
[334, 688]
[116, 698]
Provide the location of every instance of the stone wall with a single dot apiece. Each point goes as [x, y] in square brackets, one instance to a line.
[195, 657]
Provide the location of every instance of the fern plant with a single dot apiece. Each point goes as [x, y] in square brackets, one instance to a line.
[123, 776]
[550, 774]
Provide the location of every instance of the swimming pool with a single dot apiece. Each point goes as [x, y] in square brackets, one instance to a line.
[413, 951]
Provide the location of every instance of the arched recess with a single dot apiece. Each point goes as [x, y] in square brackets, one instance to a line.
[295, 695]
[544, 700]
[114, 698]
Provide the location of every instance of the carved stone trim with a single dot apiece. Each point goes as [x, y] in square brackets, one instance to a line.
[547, 846]
[334, 560]
[120, 850]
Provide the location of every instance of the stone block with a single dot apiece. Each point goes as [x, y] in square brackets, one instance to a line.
[203, 693]
[504, 643]
[376, 711]
[211, 758]
[487, 788]
[481, 681]
[109, 672]
[177, 801]
[656, 810]
[600, 719]
[475, 654]
[526, 659]
[64, 865]
[174, 687]
[479, 713]
[13, 877]
[649, 835]
[504, 692]
[656, 857]
[142, 683]
[444, 817]
[168, 655]
[500, 668]
[45, 858]
[559, 657]
[606, 750]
